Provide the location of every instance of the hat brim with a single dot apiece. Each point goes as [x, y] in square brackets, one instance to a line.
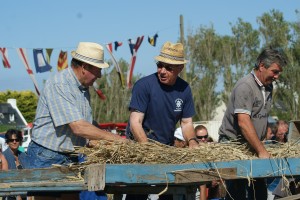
[99, 65]
[170, 61]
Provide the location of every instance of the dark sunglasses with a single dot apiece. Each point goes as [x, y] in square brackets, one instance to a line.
[13, 140]
[201, 137]
[168, 67]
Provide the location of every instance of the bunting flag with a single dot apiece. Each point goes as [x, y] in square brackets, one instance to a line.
[4, 58]
[39, 60]
[133, 58]
[98, 91]
[152, 40]
[48, 54]
[131, 45]
[62, 62]
[109, 49]
[117, 44]
[23, 56]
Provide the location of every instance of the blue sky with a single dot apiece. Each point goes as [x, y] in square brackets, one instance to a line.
[63, 24]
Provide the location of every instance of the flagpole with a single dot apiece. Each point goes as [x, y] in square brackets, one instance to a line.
[183, 73]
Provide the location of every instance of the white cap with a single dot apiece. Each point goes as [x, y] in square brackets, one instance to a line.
[178, 134]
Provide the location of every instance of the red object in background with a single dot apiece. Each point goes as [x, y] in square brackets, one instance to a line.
[118, 127]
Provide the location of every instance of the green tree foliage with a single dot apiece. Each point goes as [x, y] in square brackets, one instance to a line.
[202, 51]
[26, 102]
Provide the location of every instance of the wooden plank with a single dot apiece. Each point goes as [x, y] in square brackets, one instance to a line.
[32, 175]
[94, 176]
[194, 176]
[136, 174]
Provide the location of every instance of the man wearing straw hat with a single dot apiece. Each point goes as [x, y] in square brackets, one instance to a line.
[160, 100]
[64, 114]
[246, 116]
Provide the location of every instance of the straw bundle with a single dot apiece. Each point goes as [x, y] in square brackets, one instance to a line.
[156, 153]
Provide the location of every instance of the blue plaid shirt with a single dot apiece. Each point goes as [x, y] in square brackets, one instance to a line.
[63, 100]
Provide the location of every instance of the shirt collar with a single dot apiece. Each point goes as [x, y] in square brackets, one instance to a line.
[256, 79]
[76, 81]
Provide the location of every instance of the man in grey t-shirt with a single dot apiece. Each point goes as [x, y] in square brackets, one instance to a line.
[246, 116]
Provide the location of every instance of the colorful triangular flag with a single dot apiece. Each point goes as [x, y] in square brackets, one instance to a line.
[117, 44]
[152, 40]
[23, 56]
[4, 56]
[62, 62]
[39, 60]
[109, 48]
[133, 58]
[48, 54]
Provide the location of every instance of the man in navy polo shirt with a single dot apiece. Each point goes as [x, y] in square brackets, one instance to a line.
[159, 101]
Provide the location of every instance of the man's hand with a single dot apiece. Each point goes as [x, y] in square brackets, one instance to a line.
[193, 144]
[264, 155]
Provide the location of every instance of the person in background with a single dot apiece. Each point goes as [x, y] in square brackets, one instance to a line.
[3, 145]
[3, 162]
[201, 134]
[280, 135]
[15, 158]
[179, 140]
[211, 190]
[159, 101]
[64, 115]
[271, 129]
[246, 116]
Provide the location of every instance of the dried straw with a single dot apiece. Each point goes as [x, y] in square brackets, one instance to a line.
[156, 153]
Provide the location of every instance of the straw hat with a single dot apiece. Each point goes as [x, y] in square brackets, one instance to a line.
[90, 53]
[172, 54]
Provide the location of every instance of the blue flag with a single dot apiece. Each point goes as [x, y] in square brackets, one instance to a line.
[40, 62]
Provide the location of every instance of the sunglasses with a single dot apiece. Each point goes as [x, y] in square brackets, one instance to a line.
[13, 140]
[202, 137]
[168, 67]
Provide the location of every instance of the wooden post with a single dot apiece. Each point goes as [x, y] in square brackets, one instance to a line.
[183, 73]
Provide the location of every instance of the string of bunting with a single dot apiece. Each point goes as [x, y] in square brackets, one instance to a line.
[42, 62]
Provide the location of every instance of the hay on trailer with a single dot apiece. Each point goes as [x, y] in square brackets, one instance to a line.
[157, 153]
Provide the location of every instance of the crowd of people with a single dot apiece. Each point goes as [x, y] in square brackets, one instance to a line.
[159, 103]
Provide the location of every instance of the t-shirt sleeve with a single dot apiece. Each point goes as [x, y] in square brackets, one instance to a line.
[189, 108]
[243, 99]
[140, 97]
[62, 104]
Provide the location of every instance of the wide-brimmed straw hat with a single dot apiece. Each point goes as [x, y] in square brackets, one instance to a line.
[171, 54]
[90, 53]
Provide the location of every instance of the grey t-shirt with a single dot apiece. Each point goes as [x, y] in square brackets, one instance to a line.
[247, 97]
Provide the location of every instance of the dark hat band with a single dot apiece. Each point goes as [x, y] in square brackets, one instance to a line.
[171, 57]
[79, 56]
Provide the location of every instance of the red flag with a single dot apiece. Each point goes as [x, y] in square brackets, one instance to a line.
[98, 91]
[23, 56]
[4, 57]
[62, 62]
[133, 59]
[109, 49]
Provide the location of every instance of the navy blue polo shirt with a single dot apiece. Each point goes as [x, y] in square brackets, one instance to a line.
[162, 105]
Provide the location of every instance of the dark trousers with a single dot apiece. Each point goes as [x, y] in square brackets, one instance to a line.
[239, 189]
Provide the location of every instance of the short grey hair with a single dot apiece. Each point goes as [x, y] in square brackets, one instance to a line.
[271, 55]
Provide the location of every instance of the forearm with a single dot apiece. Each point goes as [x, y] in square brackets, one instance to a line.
[136, 126]
[86, 130]
[250, 135]
[188, 132]
[139, 133]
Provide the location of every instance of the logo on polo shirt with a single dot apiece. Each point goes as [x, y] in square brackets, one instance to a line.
[178, 103]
